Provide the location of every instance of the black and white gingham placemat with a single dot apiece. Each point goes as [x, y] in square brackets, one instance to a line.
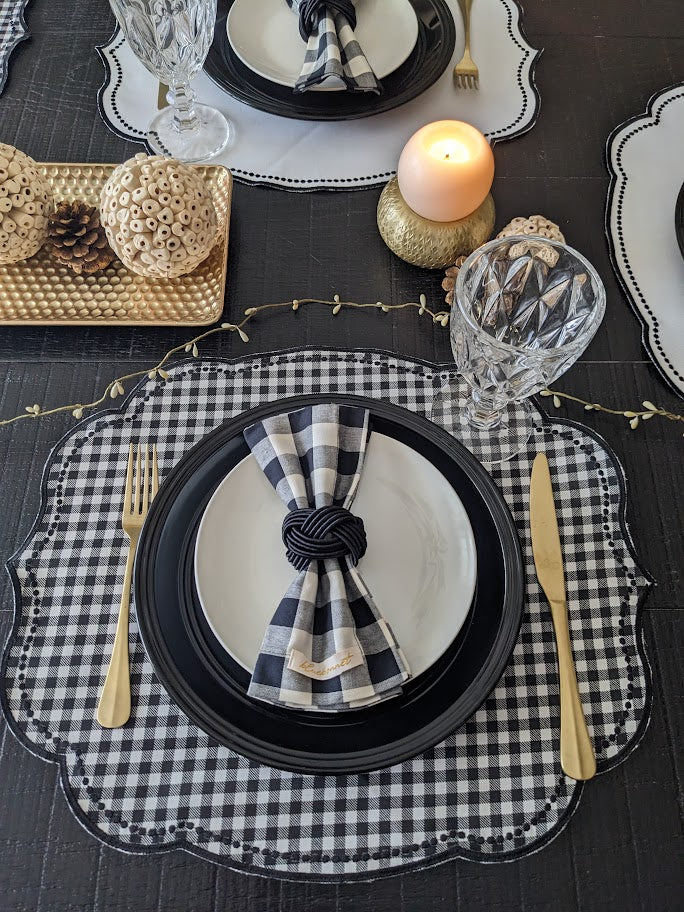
[12, 31]
[492, 790]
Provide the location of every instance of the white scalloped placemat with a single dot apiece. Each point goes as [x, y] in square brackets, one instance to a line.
[307, 155]
[646, 159]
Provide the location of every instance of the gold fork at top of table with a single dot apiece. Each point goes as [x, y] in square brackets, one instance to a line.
[466, 73]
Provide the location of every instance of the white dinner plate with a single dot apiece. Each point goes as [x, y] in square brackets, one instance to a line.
[420, 565]
[265, 36]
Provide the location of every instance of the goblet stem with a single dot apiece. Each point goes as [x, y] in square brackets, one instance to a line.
[483, 412]
[185, 119]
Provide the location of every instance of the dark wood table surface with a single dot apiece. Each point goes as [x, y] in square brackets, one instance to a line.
[623, 849]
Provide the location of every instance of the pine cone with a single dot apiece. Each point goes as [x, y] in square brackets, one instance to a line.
[77, 239]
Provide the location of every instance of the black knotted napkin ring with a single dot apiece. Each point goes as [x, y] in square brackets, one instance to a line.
[311, 10]
[320, 534]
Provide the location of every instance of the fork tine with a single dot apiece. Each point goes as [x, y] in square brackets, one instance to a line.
[128, 493]
[136, 500]
[155, 471]
[146, 482]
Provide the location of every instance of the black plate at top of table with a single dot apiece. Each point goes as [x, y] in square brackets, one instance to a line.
[428, 60]
[211, 688]
[679, 219]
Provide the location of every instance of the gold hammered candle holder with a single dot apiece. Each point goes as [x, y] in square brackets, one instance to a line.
[422, 242]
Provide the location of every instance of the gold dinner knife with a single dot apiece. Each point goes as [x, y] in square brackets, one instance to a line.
[576, 751]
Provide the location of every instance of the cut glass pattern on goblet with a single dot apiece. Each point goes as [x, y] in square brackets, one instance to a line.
[172, 38]
[525, 308]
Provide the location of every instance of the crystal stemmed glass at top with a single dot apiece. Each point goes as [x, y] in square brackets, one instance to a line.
[524, 310]
[172, 38]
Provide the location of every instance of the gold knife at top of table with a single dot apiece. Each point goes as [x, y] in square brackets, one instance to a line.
[577, 753]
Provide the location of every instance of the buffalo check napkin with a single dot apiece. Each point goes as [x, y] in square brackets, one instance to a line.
[327, 646]
[328, 26]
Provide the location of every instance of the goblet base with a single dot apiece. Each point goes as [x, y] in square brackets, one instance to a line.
[213, 135]
[491, 443]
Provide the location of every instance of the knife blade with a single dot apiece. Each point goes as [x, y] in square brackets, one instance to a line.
[577, 753]
[546, 546]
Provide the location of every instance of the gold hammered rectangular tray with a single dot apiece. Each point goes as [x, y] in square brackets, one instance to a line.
[42, 290]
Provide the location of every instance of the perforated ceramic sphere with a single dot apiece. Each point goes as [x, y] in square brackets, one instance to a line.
[539, 226]
[25, 204]
[158, 215]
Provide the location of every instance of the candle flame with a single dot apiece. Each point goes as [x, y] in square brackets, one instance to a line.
[450, 150]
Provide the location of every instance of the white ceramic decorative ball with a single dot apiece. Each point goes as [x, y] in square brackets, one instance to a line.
[25, 204]
[158, 216]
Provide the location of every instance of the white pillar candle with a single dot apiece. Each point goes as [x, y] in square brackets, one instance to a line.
[446, 170]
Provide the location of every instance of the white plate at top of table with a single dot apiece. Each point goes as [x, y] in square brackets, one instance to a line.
[265, 36]
[420, 565]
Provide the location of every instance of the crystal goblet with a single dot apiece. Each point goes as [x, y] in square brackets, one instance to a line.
[525, 308]
[172, 38]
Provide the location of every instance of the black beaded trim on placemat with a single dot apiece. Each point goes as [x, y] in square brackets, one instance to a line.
[105, 51]
[526, 49]
[650, 331]
[333, 183]
[471, 849]
[619, 558]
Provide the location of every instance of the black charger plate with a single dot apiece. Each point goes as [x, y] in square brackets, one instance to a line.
[679, 219]
[428, 60]
[210, 687]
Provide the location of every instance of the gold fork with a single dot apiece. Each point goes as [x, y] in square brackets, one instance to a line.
[114, 707]
[466, 73]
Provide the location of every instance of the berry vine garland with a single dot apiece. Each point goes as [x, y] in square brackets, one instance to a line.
[116, 388]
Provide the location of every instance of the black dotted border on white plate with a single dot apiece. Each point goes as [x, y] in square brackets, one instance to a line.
[530, 95]
[10, 37]
[618, 184]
